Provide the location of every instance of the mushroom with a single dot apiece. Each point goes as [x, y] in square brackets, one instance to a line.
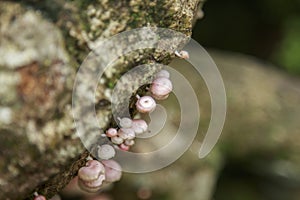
[111, 132]
[113, 171]
[145, 104]
[161, 88]
[91, 176]
[106, 151]
[139, 126]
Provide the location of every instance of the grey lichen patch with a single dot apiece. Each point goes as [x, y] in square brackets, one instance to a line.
[23, 39]
[36, 83]
[67, 152]
[35, 49]
[10, 80]
[52, 133]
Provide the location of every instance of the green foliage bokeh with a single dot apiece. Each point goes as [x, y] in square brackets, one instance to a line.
[267, 29]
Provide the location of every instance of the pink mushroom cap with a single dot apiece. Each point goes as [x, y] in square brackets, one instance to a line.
[113, 171]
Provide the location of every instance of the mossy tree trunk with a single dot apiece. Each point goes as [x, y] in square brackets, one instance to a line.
[42, 44]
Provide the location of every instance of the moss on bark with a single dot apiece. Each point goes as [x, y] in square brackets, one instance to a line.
[42, 44]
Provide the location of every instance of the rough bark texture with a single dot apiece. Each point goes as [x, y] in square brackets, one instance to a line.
[42, 44]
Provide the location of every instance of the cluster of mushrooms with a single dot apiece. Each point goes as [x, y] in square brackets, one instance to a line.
[130, 128]
[95, 174]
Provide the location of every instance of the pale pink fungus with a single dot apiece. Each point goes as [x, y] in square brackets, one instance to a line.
[92, 189]
[40, 197]
[111, 132]
[113, 171]
[91, 176]
[117, 140]
[95, 183]
[139, 126]
[124, 147]
[145, 104]
[160, 88]
[91, 171]
[182, 54]
[126, 133]
[125, 122]
[162, 73]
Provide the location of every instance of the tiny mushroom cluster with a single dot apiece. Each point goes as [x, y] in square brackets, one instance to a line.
[95, 174]
[124, 137]
[92, 177]
[160, 89]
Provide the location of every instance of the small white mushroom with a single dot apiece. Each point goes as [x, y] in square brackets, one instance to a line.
[117, 140]
[106, 151]
[129, 142]
[139, 126]
[125, 122]
[126, 133]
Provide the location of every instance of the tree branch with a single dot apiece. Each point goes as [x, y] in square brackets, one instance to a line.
[42, 44]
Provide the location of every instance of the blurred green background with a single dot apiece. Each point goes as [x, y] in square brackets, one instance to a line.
[270, 31]
[267, 29]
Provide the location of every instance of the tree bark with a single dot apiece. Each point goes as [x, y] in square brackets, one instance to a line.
[42, 44]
